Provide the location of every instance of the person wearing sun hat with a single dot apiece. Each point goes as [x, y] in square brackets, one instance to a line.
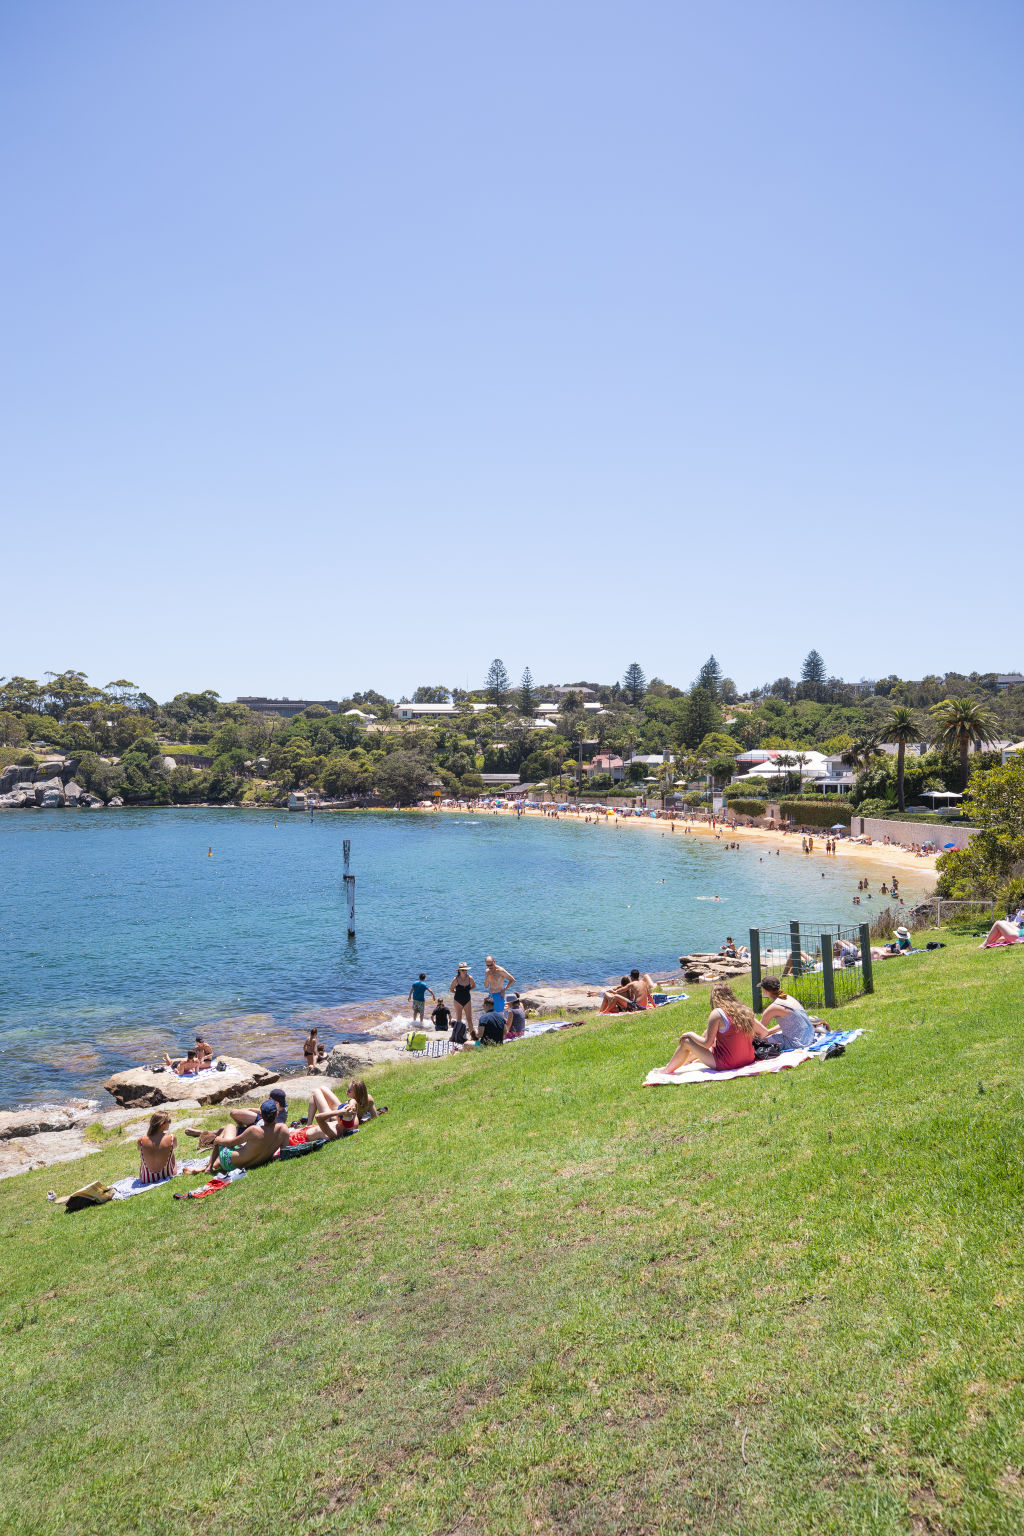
[462, 986]
[902, 938]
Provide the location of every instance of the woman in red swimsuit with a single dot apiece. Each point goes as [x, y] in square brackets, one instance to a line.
[728, 1041]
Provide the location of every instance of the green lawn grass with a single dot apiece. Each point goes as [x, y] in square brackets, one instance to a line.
[538, 1297]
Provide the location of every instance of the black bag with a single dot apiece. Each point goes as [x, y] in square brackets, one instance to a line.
[766, 1050]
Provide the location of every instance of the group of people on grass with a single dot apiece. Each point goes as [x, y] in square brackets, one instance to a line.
[732, 1028]
[503, 1018]
[633, 994]
[254, 1136]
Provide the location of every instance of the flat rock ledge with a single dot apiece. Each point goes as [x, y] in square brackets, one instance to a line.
[143, 1087]
[703, 966]
[572, 999]
[41, 1119]
[350, 1059]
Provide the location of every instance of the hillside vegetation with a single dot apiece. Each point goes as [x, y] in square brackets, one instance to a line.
[539, 1297]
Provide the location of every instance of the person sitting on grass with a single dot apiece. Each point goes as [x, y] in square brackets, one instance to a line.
[255, 1146]
[618, 999]
[728, 1041]
[156, 1150]
[515, 1017]
[243, 1118]
[786, 1016]
[490, 1026]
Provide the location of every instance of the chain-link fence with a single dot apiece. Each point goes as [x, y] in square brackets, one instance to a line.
[943, 910]
[822, 964]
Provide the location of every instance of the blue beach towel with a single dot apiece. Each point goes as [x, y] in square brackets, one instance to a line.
[834, 1037]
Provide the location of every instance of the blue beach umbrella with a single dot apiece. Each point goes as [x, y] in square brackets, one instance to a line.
[947, 846]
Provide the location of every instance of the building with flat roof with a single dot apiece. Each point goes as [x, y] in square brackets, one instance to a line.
[433, 711]
[283, 708]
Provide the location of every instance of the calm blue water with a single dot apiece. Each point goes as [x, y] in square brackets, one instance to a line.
[120, 933]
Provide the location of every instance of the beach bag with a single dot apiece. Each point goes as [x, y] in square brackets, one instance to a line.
[416, 1040]
[766, 1050]
[90, 1194]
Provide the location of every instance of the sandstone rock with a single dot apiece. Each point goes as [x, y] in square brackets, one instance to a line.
[40, 1118]
[49, 787]
[52, 798]
[345, 1060]
[14, 775]
[50, 769]
[115, 800]
[574, 999]
[89, 802]
[141, 1086]
[72, 793]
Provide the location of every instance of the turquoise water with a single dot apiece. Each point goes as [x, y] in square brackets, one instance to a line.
[120, 932]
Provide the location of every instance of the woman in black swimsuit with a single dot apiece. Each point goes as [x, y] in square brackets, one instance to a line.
[462, 986]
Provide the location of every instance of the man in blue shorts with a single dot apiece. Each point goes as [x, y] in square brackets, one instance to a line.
[418, 995]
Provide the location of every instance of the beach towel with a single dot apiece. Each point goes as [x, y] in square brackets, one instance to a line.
[697, 1074]
[124, 1189]
[834, 1037]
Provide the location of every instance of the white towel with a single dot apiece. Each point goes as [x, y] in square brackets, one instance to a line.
[696, 1074]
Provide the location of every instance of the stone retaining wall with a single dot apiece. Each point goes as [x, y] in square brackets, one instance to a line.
[877, 828]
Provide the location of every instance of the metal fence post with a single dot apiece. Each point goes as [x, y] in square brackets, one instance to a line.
[827, 973]
[865, 958]
[794, 949]
[755, 969]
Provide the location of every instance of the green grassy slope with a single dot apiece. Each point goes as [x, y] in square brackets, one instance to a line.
[538, 1297]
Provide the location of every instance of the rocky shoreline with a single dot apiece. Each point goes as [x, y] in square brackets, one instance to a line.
[366, 1035]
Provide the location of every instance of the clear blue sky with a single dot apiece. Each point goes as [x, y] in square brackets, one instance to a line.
[351, 345]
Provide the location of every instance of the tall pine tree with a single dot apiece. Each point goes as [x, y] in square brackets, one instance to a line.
[527, 698]
[497, 683]
[710, 678]
[634, 683]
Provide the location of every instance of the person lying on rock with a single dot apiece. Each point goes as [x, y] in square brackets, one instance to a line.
[253, 1147]
[184, 1066]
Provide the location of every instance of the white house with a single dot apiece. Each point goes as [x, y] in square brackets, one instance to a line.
[433, 711]
[818, 770]
[359, 714]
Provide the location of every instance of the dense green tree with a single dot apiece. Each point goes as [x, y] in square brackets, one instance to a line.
[12, 730]
[634, 683]
[402, 778]
[702, 715]
[438, 694]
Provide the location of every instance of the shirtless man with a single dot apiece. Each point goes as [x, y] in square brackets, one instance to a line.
[253, 1147]
[204, 1051]
[497, 981]
[642, 989]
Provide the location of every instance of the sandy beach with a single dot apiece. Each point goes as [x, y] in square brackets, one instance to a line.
[886, 858]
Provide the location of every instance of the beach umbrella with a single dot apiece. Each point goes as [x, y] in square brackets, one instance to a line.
[839, 826]
[948, 846]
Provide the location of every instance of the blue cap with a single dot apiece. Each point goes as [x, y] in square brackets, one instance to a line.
[278, 1094]
[268, 1109]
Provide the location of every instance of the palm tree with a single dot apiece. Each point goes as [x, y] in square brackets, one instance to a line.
[861, 751]
[901, 727]
[958, 723]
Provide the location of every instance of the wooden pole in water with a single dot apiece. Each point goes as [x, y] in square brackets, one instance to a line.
[350, 888]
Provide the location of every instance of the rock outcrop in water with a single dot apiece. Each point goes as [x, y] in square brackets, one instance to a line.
[143, 1087]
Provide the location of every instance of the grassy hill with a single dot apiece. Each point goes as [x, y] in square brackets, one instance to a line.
[538, 1297]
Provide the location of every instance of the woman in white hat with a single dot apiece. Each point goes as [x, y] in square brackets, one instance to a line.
[902, 939]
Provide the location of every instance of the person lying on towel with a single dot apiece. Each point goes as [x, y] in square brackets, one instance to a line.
[728, 1041]
[331, 1119]
[1009, 932]
[252, 1147]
